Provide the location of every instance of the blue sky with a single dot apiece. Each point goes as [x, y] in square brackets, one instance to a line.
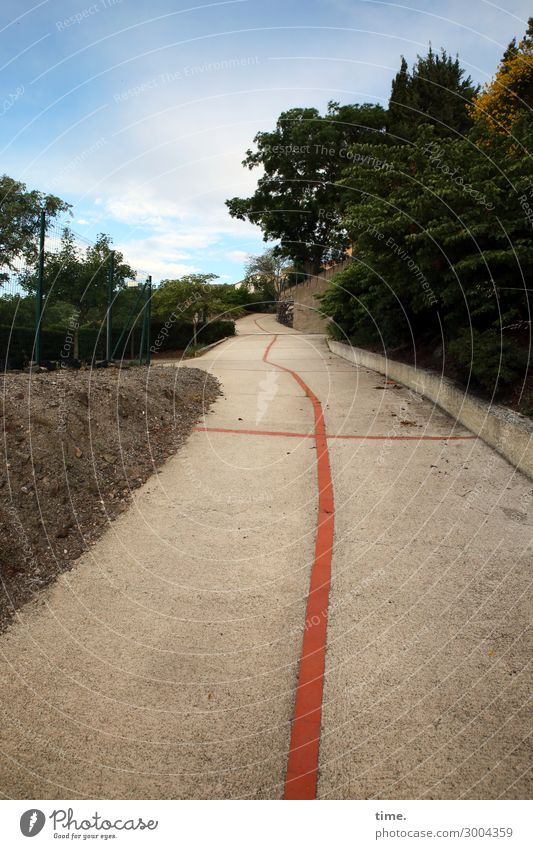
[139, 113]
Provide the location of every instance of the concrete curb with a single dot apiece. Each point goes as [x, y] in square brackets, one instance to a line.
[508, 433]
[212, 345]
[172, 363]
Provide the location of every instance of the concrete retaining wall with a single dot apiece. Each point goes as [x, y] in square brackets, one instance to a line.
[505, 431]
[307, 315]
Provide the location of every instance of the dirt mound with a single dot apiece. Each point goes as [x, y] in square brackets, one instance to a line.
[75, 445]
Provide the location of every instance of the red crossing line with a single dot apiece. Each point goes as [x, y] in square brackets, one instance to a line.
[328, 436]
[302, 765]
[254, 432]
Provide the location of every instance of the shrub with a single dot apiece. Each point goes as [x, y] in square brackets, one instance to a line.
[493, 362]
[180, 335]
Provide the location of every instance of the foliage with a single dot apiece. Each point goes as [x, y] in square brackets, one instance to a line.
[442, 239]
[443, 253]
[215, 330]
[17, 344]
[510, 93]
[20, 211]
[265, 274]
[192, 294]
[298, 200]
[487, 354]
[179, 335]
[79, 277]
[435, 92]
[236, 301]
[20, 310]
[184, 297]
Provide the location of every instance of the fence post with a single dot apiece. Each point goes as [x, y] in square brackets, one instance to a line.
[39, 293]
[143, 326]
[148, 319]
[109, 325]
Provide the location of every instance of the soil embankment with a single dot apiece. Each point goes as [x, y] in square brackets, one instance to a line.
[75, 443]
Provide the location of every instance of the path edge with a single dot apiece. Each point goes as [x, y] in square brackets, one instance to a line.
[201, 351]
[503, 430]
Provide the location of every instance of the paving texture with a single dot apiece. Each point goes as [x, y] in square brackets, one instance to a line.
[165, 664]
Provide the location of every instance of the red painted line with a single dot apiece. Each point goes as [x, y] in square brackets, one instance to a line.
[334, 436]
[302, 765]
[255, 432]
[400, 438]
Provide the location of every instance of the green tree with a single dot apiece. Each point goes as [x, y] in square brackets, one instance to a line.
[443, 251]
[16, 310]
[79, 278]
[509, 96]
[399, 113]
[20, 212]
[435, 92]
[265, 274]
[184, 297]
[298, 199]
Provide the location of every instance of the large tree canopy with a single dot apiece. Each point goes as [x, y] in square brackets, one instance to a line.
[180, 300]
[20, 211]
[184, 297]
[436, 92]
[510, 94]
[298, 198]
[443, 251]
[78, 278]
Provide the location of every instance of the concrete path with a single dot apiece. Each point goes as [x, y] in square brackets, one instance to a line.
[165, 665]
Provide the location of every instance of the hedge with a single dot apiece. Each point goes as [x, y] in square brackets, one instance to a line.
[17, 343]
[179, 335]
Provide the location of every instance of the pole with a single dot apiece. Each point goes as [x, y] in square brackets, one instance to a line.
[109, 325]
[39, 293]
[143, 328]
[148, 319]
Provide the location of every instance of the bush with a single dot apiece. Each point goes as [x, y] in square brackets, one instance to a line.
[17, 344]
[493, 362]
[179, 335]
[216, 330]
[439, 257]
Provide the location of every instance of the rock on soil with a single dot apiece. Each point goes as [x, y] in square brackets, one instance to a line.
[75, 445]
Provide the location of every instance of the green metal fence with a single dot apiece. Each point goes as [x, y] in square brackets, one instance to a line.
[78, 301]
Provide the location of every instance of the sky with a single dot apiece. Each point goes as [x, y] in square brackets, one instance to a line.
[139, 114]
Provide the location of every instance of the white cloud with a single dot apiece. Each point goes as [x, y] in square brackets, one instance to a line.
[168, 236]
[173, 154]
[237, 256]
[157, 255]
[132, 209]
